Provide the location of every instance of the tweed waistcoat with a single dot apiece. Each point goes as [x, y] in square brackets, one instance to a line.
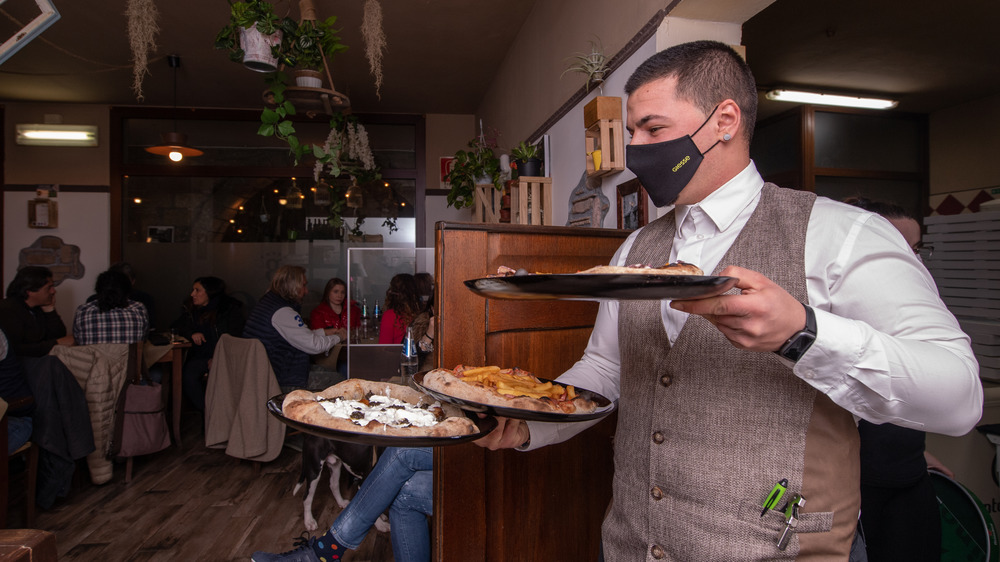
[705, 429]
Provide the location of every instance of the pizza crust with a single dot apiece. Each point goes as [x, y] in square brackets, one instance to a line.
[304, 406]
[679, 268]
[445, 382]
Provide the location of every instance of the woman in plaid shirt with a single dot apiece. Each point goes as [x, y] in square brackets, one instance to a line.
[111, 317]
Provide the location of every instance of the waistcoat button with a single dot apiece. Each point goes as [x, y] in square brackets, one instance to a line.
[657, 551]
[657, 493]
[658, 437]
[665, 380]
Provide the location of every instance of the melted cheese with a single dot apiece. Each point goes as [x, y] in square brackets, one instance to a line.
[389, 411]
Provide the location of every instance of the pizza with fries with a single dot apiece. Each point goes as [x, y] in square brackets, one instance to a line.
[378, 408]
[509, 388]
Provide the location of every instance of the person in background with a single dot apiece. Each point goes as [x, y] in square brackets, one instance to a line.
[139, 296]
[276, 321]
[899, 509]
[423, 324]
[832, 318]
[112, 317]
[402, 482]
[207, 313]
[61, 421]
[332, 312]
[15, 392]
[402, 304]
[28, 315]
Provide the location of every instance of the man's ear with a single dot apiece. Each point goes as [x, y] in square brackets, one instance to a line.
[728, 119]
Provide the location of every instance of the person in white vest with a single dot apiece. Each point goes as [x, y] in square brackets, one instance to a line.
[834, 319]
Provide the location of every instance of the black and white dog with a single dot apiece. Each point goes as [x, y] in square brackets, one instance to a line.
[357, 460]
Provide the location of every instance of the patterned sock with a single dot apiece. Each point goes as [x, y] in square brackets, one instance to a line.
[327, 548]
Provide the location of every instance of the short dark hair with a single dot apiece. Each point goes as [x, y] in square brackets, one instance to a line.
[124, 267]
[28, 278]
[112, 288]
[886, 209]
[708, 73]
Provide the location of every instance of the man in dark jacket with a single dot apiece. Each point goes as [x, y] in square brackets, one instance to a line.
[28, 315]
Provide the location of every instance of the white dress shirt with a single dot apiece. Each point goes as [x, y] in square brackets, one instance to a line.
[887, 349]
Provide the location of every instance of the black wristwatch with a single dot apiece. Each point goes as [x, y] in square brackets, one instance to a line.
[801, 341]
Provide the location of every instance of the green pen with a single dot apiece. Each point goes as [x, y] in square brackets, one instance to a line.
[775, 496]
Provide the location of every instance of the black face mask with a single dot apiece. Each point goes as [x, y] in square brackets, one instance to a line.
[665, 168]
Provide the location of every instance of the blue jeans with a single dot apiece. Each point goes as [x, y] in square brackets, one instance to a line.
[18, 432]
[401, 482]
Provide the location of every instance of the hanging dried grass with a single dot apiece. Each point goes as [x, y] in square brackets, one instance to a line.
[374, 36]
[142, 30]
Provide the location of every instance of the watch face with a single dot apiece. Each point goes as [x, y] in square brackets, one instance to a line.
[798, 346]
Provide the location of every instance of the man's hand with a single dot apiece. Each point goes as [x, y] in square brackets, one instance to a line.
[197, 338]
[508, 434]
[762, 318]
[66, 340]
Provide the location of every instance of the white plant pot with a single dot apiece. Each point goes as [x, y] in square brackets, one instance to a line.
[257, 53]
[308, 79]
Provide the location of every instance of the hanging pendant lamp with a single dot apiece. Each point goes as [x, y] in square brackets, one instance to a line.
[173, 145]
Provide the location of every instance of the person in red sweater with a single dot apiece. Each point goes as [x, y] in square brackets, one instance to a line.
[332, 312]
[402, 304]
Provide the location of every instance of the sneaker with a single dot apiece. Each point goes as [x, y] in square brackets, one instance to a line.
[303, 552]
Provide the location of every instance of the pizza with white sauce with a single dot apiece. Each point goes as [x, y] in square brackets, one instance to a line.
[378, 408]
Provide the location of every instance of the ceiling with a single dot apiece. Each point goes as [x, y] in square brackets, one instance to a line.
[442, 54]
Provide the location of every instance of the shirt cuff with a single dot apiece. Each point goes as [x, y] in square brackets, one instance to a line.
[834, 355]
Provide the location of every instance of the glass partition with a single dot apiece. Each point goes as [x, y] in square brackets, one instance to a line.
[369, 272]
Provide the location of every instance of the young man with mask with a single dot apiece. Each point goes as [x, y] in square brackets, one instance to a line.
[721, 398]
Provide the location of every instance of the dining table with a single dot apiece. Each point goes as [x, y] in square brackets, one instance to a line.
[172, 353]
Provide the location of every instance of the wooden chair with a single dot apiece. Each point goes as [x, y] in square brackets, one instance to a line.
[28, 451]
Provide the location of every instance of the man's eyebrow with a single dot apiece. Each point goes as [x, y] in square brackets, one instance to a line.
[643, 121]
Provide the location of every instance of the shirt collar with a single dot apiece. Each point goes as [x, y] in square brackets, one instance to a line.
[726, 203]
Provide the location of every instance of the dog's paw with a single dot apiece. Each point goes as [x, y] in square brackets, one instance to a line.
[311, 524]
[382, 523]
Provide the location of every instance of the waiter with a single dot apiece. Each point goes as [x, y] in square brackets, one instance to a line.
[721, 399]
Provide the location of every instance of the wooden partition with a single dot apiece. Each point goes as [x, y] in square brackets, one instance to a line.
[507, 505]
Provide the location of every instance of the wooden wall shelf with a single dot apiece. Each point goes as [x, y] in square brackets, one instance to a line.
[605, 137]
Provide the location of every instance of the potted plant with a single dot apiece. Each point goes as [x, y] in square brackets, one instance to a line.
[304, 47]
[594, 65]
[253, 35]
[526, 159]
[476, 166]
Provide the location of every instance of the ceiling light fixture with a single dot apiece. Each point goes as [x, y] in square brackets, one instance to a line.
[56, 135]
[799, 96]
[174, 144]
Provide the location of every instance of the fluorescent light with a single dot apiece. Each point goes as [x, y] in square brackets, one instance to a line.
[830, 99]
[56, 135]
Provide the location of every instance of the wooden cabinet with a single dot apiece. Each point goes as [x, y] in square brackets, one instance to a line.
[508, 505]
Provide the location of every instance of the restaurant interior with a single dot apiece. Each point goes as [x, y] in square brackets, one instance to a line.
[238, 205]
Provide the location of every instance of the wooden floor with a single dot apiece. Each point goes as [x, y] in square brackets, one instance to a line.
[192, 503]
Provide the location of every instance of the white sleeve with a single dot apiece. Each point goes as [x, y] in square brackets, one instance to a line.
[598, 370]
[290, 326]
[887, 348]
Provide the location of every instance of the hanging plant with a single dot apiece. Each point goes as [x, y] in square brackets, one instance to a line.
[594, 65]
[374, 36]
[142, 30]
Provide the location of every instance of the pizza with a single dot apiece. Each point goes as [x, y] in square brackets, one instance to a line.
[509, 388]
[379, 408]
[679, 268]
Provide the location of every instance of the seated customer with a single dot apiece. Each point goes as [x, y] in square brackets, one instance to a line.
[402, 304]
[277, 323]
[332, 312]
[14, 390]
[401, 481]
[208, 313]
[112, 317]
[28, 315]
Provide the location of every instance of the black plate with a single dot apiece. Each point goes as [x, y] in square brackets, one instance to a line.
[604, 406]
[619, 286]
[485, 426]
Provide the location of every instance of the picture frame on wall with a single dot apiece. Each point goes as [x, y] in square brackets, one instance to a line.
[632, 212]
[159, 234]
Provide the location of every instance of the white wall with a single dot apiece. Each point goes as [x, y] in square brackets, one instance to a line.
[83, 222]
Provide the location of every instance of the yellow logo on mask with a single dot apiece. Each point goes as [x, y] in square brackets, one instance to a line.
[681, 163]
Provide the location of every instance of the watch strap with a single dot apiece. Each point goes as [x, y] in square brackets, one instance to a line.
[801, 341]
